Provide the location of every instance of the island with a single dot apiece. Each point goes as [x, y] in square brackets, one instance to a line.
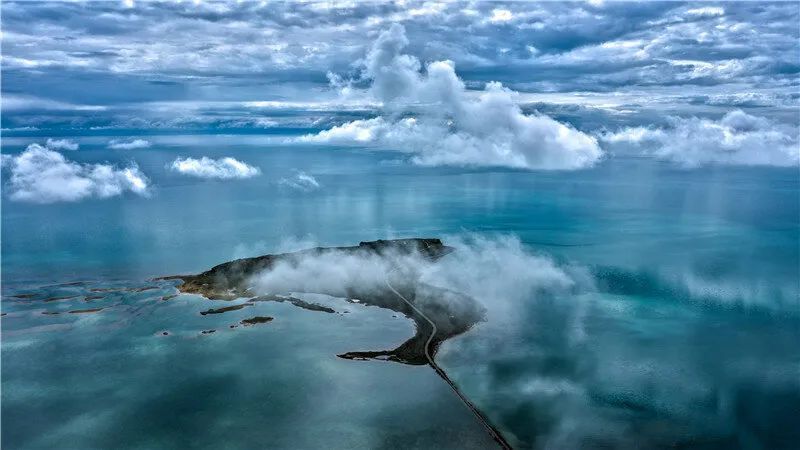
[438, 313]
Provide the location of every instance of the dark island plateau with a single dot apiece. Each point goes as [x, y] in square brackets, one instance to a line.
[451, 313]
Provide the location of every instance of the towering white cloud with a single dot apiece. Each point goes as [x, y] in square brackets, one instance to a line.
[41, 175]
[222, 168]
[737, 138]
[433, 116]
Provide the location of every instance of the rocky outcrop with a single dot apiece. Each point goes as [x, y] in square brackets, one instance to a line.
[256, 320]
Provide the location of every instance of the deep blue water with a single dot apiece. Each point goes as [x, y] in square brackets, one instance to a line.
[684, 331]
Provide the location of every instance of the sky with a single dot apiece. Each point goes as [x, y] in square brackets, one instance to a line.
[531, 86]
[725, 53]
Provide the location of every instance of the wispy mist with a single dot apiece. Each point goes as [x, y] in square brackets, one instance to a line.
[570, 358]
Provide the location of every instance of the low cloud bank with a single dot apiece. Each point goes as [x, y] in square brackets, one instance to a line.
[118, 144]
[223, 168]
[330, 272]
[479, 267]
[500, 267]
[737, 138]
[300, 181]
[434, 117]
[41, 175]
[61, 144]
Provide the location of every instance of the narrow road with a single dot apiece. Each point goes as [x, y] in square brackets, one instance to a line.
[481, 418]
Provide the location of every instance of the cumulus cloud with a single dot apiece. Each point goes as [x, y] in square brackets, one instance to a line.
[300, 181]
[706, 11]
[118, 144]
[222, 168]
[737, 138]
[501, 15]
[435, 118]
[61, 144]
[41, 175]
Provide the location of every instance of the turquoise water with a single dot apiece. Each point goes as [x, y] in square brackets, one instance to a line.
[683, 330]
[112, 379]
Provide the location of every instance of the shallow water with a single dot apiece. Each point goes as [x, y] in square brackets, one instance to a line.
[634, 372]
[684, 332]
[112, 379]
